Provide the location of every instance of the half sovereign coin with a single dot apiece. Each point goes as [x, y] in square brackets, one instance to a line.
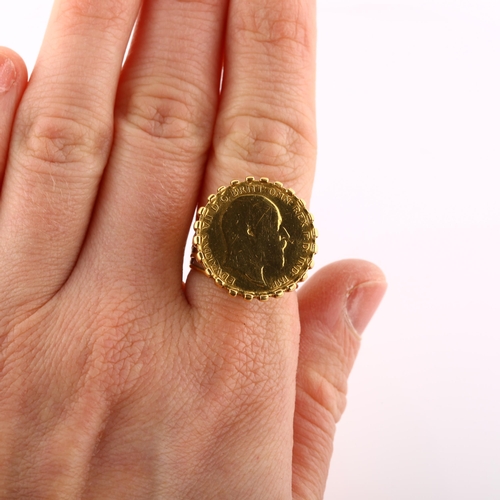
[255, 238]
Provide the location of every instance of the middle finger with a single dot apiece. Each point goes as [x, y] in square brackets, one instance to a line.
[165, 111]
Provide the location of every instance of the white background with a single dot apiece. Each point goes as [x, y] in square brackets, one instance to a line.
[408, 177]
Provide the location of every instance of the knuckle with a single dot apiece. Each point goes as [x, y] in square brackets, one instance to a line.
[265, 143]
[108, 13]
[52, 142]
[326, 393]
[174, 121]
[276, 26]
[209, 3]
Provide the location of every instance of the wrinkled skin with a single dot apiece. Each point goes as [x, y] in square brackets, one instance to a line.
[116, 379]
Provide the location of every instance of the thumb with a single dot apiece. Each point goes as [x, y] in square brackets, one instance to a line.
[335, 305]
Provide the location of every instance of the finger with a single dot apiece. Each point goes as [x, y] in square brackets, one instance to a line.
[165, 114]
[266, 123]
[62, 135]
[13, 77]
[335, 307]
[265, 127]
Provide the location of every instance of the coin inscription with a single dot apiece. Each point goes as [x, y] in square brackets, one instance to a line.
[255, 238]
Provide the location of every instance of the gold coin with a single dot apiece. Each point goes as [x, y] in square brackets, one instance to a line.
[255, 238]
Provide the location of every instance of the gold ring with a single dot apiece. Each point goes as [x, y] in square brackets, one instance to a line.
[255, 238]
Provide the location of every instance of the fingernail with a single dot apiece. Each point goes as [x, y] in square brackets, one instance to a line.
[362, 302]
[7, 74]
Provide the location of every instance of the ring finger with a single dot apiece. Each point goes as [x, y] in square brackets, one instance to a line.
[60, 142]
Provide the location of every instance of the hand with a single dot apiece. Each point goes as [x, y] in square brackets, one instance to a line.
[116, 380]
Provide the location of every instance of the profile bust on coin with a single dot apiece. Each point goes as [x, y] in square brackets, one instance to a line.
[255, 238]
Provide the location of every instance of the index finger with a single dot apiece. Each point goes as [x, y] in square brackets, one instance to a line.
[266, 122]
[265, 128]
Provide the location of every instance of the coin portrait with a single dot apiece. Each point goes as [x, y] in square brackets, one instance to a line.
[255, 238]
